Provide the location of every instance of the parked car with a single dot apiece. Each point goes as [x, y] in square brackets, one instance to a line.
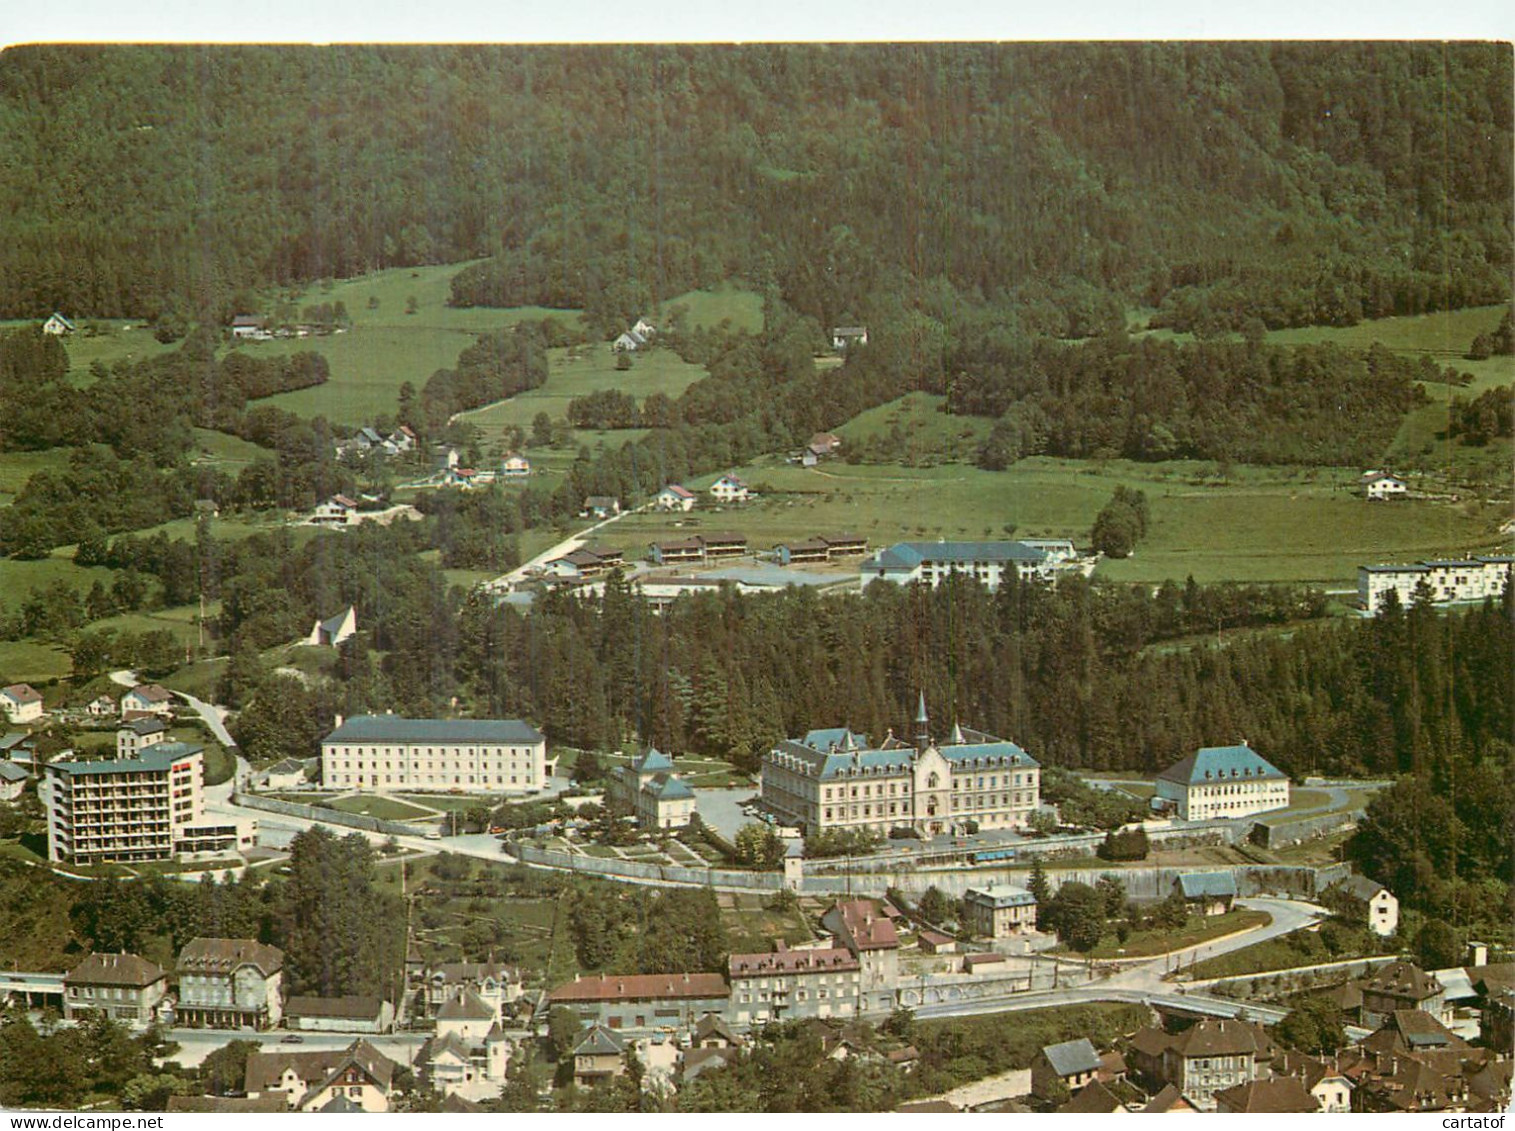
[292, 1039]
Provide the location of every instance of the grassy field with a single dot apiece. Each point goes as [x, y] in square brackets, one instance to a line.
[751, 928]
[711, 307]
[1260, 524]
[229, 453]
[589, 369]
[384, 808]
[1164, 940]
[17, 467]
[917, 430]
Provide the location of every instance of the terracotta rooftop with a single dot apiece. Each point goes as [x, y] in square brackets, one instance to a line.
[1403, 979]
[632, 987]
[114, 970]
[790, 962]
[868, 928]
[1281, 1095]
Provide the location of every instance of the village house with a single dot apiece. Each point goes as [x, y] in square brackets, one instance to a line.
[332, 631]
[870, 935]
[338, 510]
[1442, 581]
[712, 1032]
[101, 707]
[1209, 893]
[229, 984]
[515, 466]
[1278, 1095]
[844, 338]
[998, 911]
[701, 548]
[12, 781]
[729, 489]
[644, 1001]
[137, 735]
[1412, 1030]
[674, 498]
[1169, 1100]
[1211, 1055]
[382, 753]
[1400, 985]
[825, 443]
[834, 778]
[469, 1044]
[1379, 485]
[123, 987]
[495, 983]
[248, 327]
[286, 774]
[1368, 902]
[1094, 1099]
[351, 1014]
[600, 1055]
[1223, 781]
[1063, 1067]
[58, 326]
[585, 562]
[21, 702]
[790, 984]
[359, 1075]
[628, 341]
[1323, 1079]
[147, 699]
[600, 506]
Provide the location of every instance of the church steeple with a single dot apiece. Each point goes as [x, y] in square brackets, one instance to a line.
[922, 725]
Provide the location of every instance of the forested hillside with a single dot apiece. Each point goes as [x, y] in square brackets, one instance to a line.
[1295, 184]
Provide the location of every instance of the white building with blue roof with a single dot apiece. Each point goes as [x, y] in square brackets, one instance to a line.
[1223, 781]
[835, 778]
[1446, 581]
[651, 789]
[381, 753]
[985, 562]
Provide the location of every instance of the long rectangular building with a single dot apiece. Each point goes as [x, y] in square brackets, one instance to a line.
[1446, 581]
[985, 562]
[385, 752]
[835, 779]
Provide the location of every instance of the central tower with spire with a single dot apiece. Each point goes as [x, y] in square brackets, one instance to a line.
[922, 726]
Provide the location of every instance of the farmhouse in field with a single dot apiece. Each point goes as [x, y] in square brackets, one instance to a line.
[729, 489]
[249, 327]
[515, 466]
[58, 326]
[1223, 781]
[1381, 485]
[1444, 582]
[674, 498]
[21, 702]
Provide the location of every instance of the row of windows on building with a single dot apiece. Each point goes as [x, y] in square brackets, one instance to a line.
[978, 801]
[457, 779]
[434, 752]
[821, 994]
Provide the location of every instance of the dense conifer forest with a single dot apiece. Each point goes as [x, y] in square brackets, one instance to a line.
[1055, 184]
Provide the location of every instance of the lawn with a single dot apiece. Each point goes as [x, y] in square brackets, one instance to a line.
[917, 431]
[715, 305]
[751, 928]
[28, 661]
[229, 453]
[17, 467]
[587, 369]
[1164, 940]
[384, 808]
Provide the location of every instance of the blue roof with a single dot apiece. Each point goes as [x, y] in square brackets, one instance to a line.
[9, 771]
[909, 555]
[667, 788]
[816, 748]
[1072, 1057]
[155, 758]
[1000, 895]
[392, 728]
[652, 762]
[1214, 763]
[839, 737]
[1196, 885]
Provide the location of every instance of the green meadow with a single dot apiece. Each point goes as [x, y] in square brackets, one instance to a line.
[727, 302]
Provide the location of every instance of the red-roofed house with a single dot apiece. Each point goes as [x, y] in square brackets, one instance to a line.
[338, 510]
[870, 935]
[644, 1001]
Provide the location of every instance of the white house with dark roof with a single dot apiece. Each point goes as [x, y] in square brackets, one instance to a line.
[1446, 581]
[1372, 904]
[358, 1078]
[651, 788]
[21, 702]
[515, 466]
[338, 510]
[381, 753]
[1223, 781]
[599, 1056]
[1380, 485]
[845, 337]
[495, 983]
[1071, 1064]
[729, 489]
[834, 778]
[999, 911]
[147, 699]
[986, 562]
[58, 326]
[1212, 893]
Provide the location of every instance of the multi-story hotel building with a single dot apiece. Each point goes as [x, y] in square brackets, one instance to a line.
[123, 809]
[1223, 781]
[384, 752]
[1447, 582]
[835, 779]
[986, 562]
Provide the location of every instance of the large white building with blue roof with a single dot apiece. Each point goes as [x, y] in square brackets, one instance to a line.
[985, 562]
[836, 779]
[380, 753]
[1446, 581]
[1223, 781]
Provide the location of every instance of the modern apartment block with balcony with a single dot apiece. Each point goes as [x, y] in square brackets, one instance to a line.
[125, 809]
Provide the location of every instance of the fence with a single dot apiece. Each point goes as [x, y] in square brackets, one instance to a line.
[326, 816]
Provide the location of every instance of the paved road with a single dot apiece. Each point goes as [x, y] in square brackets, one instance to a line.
[196, 1044]
[504, 582]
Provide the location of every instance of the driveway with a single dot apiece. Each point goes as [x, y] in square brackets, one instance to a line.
[721, 809]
